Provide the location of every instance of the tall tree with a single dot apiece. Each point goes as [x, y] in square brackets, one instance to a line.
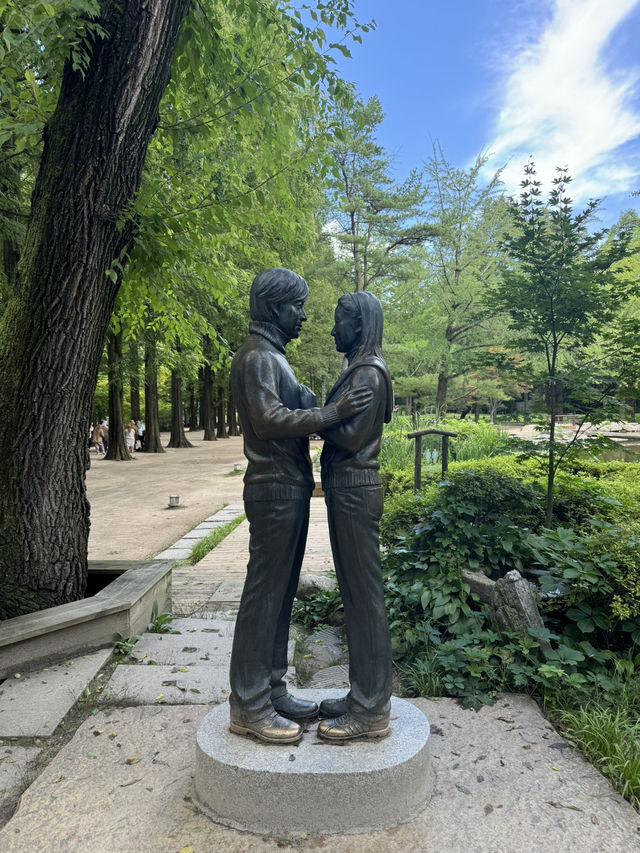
[376, 220]
[117, 446]
[461, 262]
[560, 288]
[55, 323]
[152, 442]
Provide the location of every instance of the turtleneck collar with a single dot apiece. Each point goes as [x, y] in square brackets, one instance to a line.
[269, 331]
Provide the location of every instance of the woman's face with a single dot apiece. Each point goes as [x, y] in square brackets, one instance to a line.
[347, 329]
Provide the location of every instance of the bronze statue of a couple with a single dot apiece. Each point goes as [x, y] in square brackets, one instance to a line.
[277, 415]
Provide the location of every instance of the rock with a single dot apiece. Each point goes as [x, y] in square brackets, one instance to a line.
[310, 585]
[480, 584]
[513, 604]
[333, 676]
[321, 650]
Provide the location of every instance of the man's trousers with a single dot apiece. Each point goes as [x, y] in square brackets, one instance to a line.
[277, 539]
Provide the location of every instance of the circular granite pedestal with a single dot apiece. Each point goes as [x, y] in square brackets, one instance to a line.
[314, 787]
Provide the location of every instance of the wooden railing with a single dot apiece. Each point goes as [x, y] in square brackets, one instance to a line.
[417, 465]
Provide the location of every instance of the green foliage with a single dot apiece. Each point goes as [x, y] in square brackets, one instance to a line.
[160, 623]
[123, 646]
[209, 542]
[560, 288]
[318, 611]
[609, 737]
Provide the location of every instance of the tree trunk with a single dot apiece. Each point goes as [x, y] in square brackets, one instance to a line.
[134, 398]
[152, 443]
[178, 438]
[134, 380]
[193, 408]
[441, 394]
[233, 420]
[201, 397]
[117, 451]
[54, 326]
[551, 473]
[208, 418]
[222, 423]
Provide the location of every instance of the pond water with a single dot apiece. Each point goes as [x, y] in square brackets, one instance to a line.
[628, 451]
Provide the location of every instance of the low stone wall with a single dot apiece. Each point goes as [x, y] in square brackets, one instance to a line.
[122, 608]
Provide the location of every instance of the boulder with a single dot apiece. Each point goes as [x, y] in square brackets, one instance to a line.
[480, 584]
[320, 650]
[513, 605]
[310, 585]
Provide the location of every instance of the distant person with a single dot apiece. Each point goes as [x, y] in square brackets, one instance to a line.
[140, 430]
[97, 438]
[105, 435]
[130, 436]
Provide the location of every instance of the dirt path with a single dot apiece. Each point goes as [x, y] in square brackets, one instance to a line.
[129, 514]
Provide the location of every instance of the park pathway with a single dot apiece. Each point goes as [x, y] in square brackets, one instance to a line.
[215, 583]
[120, 780]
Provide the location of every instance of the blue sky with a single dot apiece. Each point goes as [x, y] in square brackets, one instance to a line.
[558, 80]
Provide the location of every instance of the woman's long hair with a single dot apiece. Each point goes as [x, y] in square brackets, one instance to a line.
[367, 308]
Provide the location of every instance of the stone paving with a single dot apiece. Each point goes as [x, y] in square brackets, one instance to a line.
[504, 779]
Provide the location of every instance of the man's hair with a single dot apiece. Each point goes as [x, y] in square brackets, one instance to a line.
[367, 308]
[271, 287]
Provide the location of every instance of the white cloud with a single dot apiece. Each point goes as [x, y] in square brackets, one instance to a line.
[564, 106]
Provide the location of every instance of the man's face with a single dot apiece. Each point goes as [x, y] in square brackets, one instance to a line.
[346, 331]
[289, 317]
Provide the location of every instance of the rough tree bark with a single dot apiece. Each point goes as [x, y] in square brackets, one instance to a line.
[178, 437]
[152, 442]
[193, 408]
[220, 418]
[55, 324]
[234, 430]
[207, 413]
[117, 451]
[134, 380]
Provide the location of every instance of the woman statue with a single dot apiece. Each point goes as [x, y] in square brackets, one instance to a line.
[353, 493]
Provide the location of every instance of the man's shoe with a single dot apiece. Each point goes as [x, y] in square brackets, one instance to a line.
[347, 727]
[333, 707]
[295, 709]
[270, 729]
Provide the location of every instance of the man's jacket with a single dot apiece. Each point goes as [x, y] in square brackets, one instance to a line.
[276, 418]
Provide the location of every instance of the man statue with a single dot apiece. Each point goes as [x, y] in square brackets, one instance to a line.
[354, 505]
[277, 415]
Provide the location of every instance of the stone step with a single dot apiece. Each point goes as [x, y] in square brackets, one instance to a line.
[32, 704]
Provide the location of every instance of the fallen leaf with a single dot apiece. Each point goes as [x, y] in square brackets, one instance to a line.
[97, 732]
[594, 819]
[505, 719]
[59, 779]
[488, 809]
[132, 760]
[132, 782]
[193, 690]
